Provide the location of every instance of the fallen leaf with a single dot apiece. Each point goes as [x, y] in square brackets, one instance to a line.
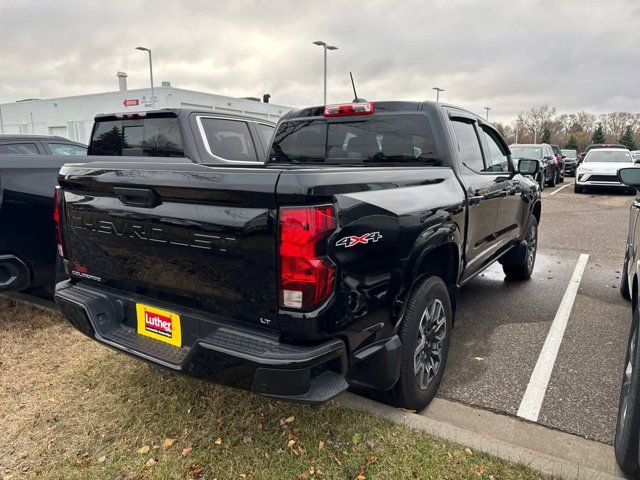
[247, 439]
[144, 450]
[356, 438]
[151, 462]
[186, 451]
[320, 445]
[468, 452]
[168, 442]
[218, 441]
[291, 443]
[289, 419]
[102, 459]
[361, 477]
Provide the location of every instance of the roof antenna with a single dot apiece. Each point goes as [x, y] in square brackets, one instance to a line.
[355, 94]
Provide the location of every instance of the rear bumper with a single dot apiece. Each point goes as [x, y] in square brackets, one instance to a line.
[14, 274]
[225, 354]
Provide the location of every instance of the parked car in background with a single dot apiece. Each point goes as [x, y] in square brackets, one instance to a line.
[635, 154]
[549, 171]
[560, 161]
[596, 146]
[29, 169]
[627, 436]
[336, 263]
[570, 161]
[19, 144]
[600, 169]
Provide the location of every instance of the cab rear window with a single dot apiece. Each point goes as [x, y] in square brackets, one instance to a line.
[384, 139]
[143, 137]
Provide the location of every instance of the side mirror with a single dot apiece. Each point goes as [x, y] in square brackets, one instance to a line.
[564, 156]
[636, 160]
[630, 176]
[530, 167]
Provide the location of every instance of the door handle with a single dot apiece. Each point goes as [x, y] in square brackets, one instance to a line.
[476, 199]
[137, 197]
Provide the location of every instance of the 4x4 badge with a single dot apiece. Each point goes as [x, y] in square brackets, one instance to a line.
[354, 240]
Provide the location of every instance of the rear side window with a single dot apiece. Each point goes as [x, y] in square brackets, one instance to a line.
[497, 159]
[468, 145]
[384, 139]
[67, 149]
[266, 133]
[228, 139]
[19, 149]
[145, 137]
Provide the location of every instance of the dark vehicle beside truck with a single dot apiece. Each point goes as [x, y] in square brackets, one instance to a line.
[627, 436]
[27, 237]
[29, 166]
[338, 262]
[570, 161]
[549, 170]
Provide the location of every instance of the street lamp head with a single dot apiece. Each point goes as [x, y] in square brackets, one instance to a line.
[319, 43]
[438, 89]
[143, 49]
[331, 47]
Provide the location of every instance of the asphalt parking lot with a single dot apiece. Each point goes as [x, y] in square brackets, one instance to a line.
[501, 327]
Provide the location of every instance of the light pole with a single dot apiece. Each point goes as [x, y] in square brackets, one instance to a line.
[326, 47]
[153, 98]
[438, 90]
[487, 116]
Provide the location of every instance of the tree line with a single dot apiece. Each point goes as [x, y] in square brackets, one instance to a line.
[542, 124]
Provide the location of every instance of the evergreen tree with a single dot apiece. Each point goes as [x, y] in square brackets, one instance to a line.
[572, 143]
[627, 139]
[598, 135]
[546, 135]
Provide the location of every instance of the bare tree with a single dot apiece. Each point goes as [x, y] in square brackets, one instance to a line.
[535, 119]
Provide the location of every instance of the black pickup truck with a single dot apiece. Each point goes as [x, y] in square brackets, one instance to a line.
[29, 167]
[337, 262]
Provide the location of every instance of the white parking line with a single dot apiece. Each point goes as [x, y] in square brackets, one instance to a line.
[534, 395]
[564, 186]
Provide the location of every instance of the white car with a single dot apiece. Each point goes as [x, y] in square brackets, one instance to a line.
[600, 168]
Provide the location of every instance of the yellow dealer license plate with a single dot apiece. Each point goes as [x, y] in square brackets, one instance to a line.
[159, 324]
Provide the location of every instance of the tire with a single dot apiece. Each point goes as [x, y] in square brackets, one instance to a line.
[561, 176]
[554, 179]
[625, 443]
[624, 282]
[541, 181]
[524, 270]
[578, 189]
[427, 305]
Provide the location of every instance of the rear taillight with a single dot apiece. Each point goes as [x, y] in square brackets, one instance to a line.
[307, 275]
[348, 109]
[57, 200]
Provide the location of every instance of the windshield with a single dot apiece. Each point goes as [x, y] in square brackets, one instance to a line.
[569, 153]
[526, 152]
[378, 139]
[612, 156]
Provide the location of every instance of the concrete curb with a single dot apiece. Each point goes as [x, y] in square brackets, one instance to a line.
[545, 450]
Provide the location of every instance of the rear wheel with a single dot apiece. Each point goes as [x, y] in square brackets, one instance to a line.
[524, 270]
[425, 334]
[625, 442]
[561, 176]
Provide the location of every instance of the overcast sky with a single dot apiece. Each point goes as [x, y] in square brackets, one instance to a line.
[508, 55]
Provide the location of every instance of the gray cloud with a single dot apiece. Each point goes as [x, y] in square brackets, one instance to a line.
[509, 55]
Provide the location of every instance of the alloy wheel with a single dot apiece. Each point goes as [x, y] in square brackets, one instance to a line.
[432, 331]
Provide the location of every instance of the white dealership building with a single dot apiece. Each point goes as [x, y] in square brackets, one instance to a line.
[72, 117]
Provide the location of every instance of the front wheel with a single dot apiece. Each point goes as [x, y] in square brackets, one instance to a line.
[577, 189]
[541, 181]
[524, 270]
[624, 282]
[625, 443]
[425, 334]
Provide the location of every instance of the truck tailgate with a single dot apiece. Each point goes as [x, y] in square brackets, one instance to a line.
[203, 237]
